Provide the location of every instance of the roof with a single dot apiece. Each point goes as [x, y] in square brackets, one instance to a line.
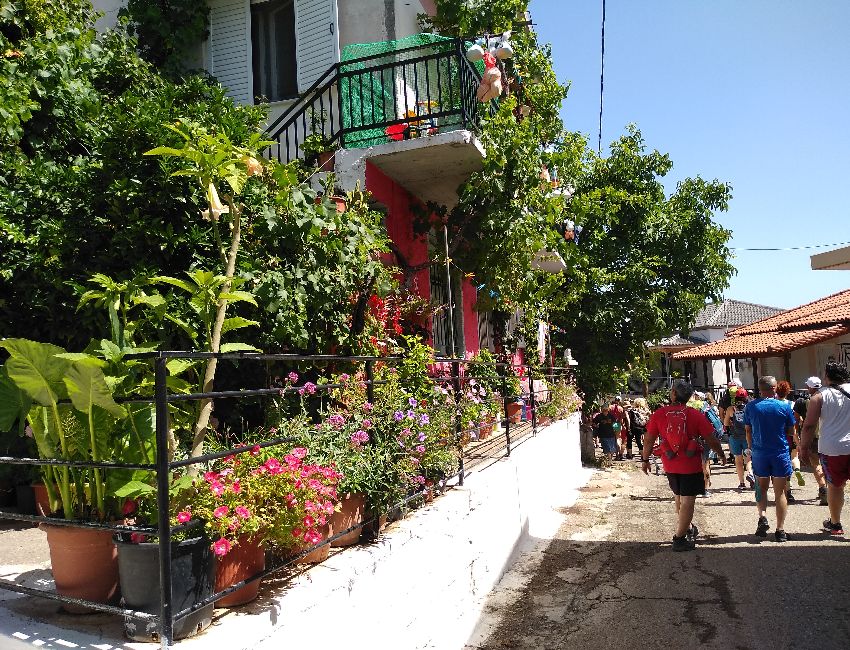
[674, 342]
[775, 335]
[835, 260]
[732, 313]
[766, 344]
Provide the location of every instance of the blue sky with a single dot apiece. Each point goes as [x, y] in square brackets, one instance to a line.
[753, 93]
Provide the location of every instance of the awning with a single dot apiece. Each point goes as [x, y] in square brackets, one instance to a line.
[837, 260]
[769, 344]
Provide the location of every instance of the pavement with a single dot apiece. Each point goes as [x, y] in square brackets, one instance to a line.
[609, 579]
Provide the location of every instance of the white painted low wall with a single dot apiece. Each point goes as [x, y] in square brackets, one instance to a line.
[423, 584]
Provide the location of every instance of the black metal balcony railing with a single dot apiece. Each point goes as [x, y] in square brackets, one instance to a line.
[412, 92]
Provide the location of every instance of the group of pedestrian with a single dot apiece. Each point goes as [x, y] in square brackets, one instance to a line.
[620, 425]
[769, 436]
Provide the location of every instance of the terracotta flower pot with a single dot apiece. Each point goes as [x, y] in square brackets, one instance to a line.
[351, 513]
[326, 161]
[320, 554]
[514, 411]
[84, 562]
[42, 500]
[484, 430]
[245, 559]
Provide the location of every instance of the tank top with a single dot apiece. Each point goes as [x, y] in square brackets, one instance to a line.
[834, 422]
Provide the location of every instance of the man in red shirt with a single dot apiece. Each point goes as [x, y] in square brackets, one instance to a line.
[679, 426]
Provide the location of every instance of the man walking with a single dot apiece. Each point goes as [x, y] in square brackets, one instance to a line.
[768, 423]
[813, 385]
[679, 428]
[831, 405]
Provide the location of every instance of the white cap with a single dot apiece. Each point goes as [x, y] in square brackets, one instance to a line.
[699, 395]
[737, 382]
[813, 382]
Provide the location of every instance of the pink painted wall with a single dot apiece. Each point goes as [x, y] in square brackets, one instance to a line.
[399, 222]
[470, 316]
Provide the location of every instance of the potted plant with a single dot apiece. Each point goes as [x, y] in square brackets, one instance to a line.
[74, 417]
[318, 150]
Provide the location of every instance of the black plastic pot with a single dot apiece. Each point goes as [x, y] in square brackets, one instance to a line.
[192, 580]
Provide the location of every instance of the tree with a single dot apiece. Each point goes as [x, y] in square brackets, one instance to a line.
[646, 263]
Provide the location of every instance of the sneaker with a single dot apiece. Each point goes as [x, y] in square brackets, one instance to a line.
[800, 480]
[791, 499]
[822, 497]
[833, 529]
[693, 532]
[751, 480]
[683, 544]
[781, 535]
[705, 494]
[763, 527]
[741, 487]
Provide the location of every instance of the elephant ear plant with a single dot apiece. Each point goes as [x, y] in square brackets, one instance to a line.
[69, 405]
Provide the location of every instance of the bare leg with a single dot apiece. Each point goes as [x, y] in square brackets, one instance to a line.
[706, 471]
[761, 504]
[685, 512]
[819, 477]
[835, 498]
[739, 467]
[779, 485]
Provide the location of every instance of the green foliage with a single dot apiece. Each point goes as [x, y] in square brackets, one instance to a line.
[467, 19]
[169, 32]
[77, 196]
[92, 428]
[648, 262]
[658, 398]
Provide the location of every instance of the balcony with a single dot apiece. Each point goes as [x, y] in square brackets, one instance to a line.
[411, 112]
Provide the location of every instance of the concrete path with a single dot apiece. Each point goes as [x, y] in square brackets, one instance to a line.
[609, 579]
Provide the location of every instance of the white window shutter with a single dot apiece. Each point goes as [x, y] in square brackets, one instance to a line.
[229, 48]
[317, 39]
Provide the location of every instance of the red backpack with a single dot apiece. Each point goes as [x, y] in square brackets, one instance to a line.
[675, 438]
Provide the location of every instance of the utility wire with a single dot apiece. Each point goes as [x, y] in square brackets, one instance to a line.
[601, 81]
[792, 248]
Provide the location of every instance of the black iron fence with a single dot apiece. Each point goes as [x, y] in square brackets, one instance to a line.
[455, 374]
[408, 93]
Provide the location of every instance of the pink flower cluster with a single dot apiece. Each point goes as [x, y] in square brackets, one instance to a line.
[359, 437]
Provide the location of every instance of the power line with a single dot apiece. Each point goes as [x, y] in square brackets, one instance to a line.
[601, 81]
[792, 248]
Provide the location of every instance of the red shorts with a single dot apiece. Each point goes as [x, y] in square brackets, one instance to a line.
[836, 469]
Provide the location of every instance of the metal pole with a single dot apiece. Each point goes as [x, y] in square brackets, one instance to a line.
[505, 411]
[449, 292]
[370, 380]
[166, 624]
[458, 423]
[533, 404]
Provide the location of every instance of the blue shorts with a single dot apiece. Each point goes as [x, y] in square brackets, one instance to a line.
[609, 445]
[772, 464]
[737, 446]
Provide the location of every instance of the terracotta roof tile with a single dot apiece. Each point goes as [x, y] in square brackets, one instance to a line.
[761, 344]
[732, 313]
[809, 314]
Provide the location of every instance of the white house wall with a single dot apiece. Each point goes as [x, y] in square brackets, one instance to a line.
[371, 21]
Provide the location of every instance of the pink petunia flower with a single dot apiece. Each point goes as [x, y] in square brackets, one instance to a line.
[220, 512]
[184, 517]
[255, 450]
[299, 452]
[138, 538]
[308, 521]
[243, 512]
[292, 376]
[236, 487]
[217, 489]
[210, 477]
[130, 506]
[221, 547]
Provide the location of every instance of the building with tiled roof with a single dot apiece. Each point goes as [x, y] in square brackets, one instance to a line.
[793, 344]
[712, 323]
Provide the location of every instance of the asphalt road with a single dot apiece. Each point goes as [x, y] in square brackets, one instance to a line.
[609, 580]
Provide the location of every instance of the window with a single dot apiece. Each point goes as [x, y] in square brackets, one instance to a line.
[273, 49]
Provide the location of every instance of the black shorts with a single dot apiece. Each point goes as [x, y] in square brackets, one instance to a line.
[687, 485]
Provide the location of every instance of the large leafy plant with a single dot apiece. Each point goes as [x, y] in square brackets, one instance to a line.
[68, 402]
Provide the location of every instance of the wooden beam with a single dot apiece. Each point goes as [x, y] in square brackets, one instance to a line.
[756, 374]
[787, 358]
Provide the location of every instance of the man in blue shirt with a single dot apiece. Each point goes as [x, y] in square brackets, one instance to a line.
[769, 423]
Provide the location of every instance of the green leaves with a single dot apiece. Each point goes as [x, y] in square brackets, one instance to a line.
[87, 388]
[36, 370]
